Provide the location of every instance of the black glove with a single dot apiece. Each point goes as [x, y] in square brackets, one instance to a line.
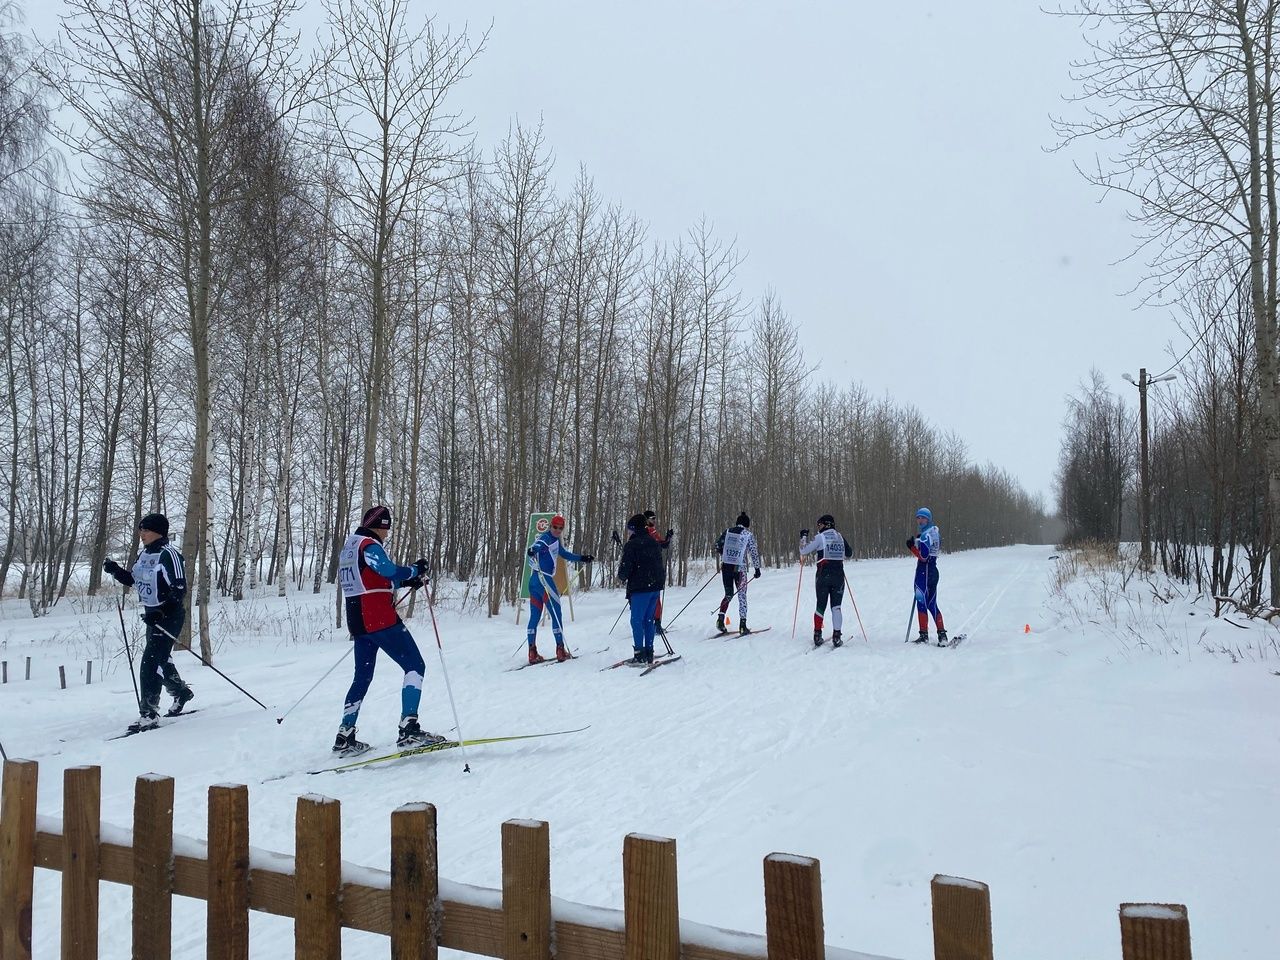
[587, 558]
[531, 551]
[671, 533]
[757, 576]
[420, 567]
[911, 542]
[414, 583]
[111, 567]
[617, 539]
[804, 533]
[151, 615]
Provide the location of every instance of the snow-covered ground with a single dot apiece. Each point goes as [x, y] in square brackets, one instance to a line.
[1117, 752]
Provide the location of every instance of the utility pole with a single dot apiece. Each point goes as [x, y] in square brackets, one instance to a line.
[1144, 497]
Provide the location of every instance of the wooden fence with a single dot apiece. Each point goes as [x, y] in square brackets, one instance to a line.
[410, 904]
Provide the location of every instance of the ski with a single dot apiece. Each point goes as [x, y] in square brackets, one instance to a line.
[437, 747]
[572, 656]
[657, 658]
[954, 641]
[657, 663]
[734, 634]
[130, 733]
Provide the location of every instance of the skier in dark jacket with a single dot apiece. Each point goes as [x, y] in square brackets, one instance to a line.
[161, 581]
[651, 524]
[643, 569]
[832, 550]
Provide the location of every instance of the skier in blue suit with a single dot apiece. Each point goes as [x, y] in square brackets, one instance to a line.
[542, 586]
[926, 547]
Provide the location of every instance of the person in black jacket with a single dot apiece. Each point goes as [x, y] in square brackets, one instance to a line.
[643, 569]
[161, 580]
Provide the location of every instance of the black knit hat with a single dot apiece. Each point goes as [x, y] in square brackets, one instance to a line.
[743, 519]
[827, 520]
[156, 523]
[376, 518]
[636, 524]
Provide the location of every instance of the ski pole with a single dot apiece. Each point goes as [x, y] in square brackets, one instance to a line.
[280, 719]
[855, 607]
[128, 653]
[2, 753]
[910, 617]
[799, 580]
[620, 613]
[444, 671]
[212, 667]
[693, 598]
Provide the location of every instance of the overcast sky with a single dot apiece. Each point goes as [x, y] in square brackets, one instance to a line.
[883, 167]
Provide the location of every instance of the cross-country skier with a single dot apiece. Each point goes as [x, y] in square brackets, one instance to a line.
[643, 569]
[926, 546]
[736, 546]
[832, 550]
[651, 525]
[161, 581]
[542, 586]
[369, 579]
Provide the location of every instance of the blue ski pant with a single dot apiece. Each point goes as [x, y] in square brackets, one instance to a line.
[927, 595]
[644, 610]
[397, 642]
[539, 597]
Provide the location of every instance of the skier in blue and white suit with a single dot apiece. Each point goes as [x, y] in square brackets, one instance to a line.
[926, 546]
[542, 586]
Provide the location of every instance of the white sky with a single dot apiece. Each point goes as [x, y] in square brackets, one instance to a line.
[882, 166]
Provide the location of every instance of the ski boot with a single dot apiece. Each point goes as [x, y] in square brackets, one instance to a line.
[148, 721]
[817, 638]
[562, 653]
[648, 655]
[942, 639]
[535, 656]
[923, 638]
[836, 639]
[743, 629]
[184, 697]
[720, 623]
[637, 658]
[412, 735]
[345, 743]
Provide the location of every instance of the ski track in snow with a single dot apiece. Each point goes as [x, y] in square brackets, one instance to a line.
[1066, 777]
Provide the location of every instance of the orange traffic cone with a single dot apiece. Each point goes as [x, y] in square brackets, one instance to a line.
[1026, 628]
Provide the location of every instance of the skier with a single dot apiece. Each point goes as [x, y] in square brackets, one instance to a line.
[832, 550]
[369, 579]
[643, 569]
[542, 587]
[736, 546]
[651, 525]
[926, 547]
[160, 577]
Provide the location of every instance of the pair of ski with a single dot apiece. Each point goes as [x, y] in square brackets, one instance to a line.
[436, 748]
[572, 656]
[658, 661]
[158, 726]
[951, 641]
[734, 634]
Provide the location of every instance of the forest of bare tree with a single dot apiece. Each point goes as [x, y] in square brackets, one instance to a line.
[258, 289]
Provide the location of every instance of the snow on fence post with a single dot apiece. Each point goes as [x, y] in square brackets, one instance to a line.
[650, 900]
[415, 883]
[81, 824]
[227, 921]
[317, 910]
[793, 907]
[961, 919]
[526, 890]
[17, 857]
[152, 874]
[1155, 931]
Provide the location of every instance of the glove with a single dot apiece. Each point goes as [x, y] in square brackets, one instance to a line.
[670, 533]
[587, 558]
[420, 567]
[151, 615]
[111, 567]
[757, 576]
[911, 542]
[414, 583]
[804, 534]
[532, 551]
[617, 540]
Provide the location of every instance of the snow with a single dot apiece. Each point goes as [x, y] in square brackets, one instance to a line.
[959, 882]
[1152, 911]
[1126, 749]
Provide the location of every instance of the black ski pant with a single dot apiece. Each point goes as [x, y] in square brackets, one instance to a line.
[734, 578]
[829, 584]
[156, 668]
